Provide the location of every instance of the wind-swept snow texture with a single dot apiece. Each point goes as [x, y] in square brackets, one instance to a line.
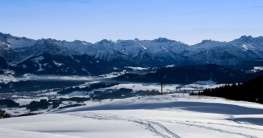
[166, 116]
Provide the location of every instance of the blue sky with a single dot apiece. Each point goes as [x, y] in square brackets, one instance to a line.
[189, 21]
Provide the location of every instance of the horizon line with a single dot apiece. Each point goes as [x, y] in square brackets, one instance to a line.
[114, 41]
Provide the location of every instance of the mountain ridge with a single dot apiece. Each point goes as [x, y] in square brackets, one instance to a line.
[163, 39]
[24, 53]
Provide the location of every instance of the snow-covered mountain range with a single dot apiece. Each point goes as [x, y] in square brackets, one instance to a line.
[50, 56]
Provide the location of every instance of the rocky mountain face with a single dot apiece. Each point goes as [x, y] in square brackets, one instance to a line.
[49, 56]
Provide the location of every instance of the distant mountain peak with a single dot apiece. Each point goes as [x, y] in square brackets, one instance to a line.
[4, 37]
[246, 38]
[162, 40]
[105, 41]
[209, 41]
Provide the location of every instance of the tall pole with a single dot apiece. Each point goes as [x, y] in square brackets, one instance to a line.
[161, 87]
[162, 83]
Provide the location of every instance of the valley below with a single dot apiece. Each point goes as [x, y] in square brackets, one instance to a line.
[101, 106]
[34, 94]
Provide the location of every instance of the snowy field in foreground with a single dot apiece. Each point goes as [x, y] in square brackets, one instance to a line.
[166, 116]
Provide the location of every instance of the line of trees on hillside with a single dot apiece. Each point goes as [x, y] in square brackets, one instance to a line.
[251, 90]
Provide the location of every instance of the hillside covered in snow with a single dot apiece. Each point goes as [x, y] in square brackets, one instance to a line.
[165, 116]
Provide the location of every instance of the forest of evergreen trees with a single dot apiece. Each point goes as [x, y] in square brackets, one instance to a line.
[251, 91]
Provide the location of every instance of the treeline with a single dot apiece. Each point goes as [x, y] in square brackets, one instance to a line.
[3, 114]
[184, 74]
[248, 91]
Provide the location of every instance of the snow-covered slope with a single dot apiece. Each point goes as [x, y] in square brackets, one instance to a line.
[166, 116]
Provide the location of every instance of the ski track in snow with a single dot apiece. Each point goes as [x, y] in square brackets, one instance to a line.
[164, 132]
[192, 124]
[158, 129]
[155, 127]
[169, 122]
[228, 125]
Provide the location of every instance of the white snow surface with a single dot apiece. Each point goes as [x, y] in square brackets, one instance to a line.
[257, 69]
[168, 88]
[57, 63]
[165, 116]
[137, 68]
[9, 77]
